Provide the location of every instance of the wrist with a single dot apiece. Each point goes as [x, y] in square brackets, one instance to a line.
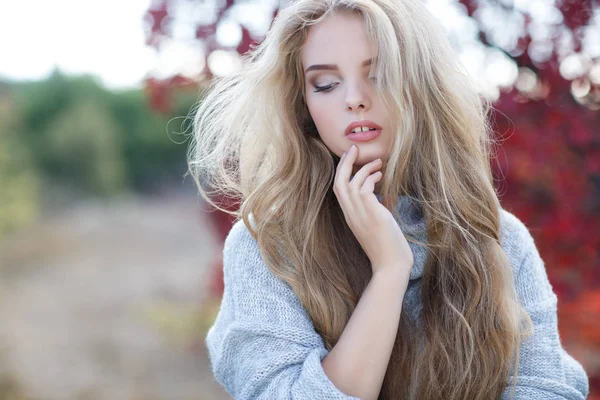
[395, 272]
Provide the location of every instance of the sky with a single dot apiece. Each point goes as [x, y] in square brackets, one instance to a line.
[106, 38]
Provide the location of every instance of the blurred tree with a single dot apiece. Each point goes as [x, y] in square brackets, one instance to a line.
[91, 141]
[202, 20]
[18, 179]
[85, 143]
[40, 102]
[153, 144]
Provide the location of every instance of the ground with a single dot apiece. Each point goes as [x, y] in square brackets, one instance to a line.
[103, 301]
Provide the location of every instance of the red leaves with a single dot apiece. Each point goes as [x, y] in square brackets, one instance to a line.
[157, 16]
[203, 32]
[154, 19]
[159, 92]
[471, 6]
[576, 12]
[246, 42]
[552, 170]
[579, 318]
[593, 161]
[158, 95]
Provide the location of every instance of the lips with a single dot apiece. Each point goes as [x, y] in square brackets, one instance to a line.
[367, 123]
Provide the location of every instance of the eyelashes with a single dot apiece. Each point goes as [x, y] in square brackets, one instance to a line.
[327, 88]
[330, 87]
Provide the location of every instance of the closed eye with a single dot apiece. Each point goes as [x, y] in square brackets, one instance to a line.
[327, 88]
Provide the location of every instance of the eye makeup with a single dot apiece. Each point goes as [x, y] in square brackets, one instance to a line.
[326, 88]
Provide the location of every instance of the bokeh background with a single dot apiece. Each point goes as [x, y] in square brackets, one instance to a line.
[110, 269]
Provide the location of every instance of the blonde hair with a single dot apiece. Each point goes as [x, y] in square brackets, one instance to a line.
[255, 140]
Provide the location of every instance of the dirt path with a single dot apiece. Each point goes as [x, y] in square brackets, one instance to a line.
[101, 302]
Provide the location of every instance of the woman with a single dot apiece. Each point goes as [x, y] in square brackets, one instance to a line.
[376, 264]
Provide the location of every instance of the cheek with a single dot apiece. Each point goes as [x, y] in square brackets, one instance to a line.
[321, 113]
[319, 117]
[327, 121]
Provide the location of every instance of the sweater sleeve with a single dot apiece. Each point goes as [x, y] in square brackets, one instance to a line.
[545, 371]
[262, 344]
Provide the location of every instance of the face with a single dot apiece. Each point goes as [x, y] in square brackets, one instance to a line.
[339, 90]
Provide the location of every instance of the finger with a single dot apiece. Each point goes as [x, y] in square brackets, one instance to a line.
[359, 178]
[369, 184]
[342, 175]
[345, 166]
[337, 170]
[340, 188]
[367, 190]
[354, 188]
[339, 166]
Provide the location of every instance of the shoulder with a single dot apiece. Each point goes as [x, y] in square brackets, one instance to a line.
[241, 253]
[251, 283]
[531, 278]
[239, 234]
[515, 239]
[240, 244]
[245, 267]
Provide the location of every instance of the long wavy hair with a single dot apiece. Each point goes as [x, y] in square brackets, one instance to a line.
[254, 140]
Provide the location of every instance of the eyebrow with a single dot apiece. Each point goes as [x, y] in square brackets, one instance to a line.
[334, 67]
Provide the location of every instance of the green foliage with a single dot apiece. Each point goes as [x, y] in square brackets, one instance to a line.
[18, 178]
[152, 152]
[95, 141]
[65, 137]
[84, 143]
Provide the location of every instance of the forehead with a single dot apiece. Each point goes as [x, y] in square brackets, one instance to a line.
[337, 38]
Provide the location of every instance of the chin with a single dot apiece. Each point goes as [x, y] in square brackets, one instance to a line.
[368, 153]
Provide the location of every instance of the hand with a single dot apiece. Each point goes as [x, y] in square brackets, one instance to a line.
[373, 225]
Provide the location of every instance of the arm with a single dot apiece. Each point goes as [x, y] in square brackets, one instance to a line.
[358, 362]
[546, 371]
[263, 344]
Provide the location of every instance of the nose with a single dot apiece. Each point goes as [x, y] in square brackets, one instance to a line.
[357, 99]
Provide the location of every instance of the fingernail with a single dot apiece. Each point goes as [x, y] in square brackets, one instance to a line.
[353, 146]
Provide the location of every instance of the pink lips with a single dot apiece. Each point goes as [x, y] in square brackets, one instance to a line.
[363, 136]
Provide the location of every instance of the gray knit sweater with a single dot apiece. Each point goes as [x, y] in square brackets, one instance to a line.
[263, 344]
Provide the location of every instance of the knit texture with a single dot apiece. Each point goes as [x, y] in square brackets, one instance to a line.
[263, 345]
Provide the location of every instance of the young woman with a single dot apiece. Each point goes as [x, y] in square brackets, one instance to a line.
[372, 258]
